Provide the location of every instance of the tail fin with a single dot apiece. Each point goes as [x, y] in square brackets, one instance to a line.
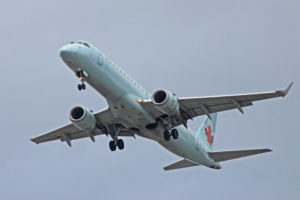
[207, 131]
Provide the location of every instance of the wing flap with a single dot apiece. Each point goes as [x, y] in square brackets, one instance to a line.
[181, 164]
[198, 110]
[229, 155]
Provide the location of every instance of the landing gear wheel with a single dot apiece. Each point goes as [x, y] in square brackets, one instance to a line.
[112, 146]
[83, 86]
[120, 144]
[79, 87]
[174, 134]
[167, 135]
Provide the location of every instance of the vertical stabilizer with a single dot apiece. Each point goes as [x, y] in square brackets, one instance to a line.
[207, 131]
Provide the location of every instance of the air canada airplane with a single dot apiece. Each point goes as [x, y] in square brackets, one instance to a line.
[132, 111]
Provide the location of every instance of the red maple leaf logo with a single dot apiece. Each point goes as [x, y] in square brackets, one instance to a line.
[209, 136]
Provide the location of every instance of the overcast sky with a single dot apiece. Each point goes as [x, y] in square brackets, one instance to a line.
[192, 48]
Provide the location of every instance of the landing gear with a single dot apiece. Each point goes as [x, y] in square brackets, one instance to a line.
[80, 75]
[81, 86]
[174, 134]
[167, 135]
[113, 131]
[120, 144]
[113, 146]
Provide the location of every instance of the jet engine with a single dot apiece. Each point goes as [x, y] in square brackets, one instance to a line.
[83, 119]
[166, 102]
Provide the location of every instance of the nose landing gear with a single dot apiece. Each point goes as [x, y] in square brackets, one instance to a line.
[80, 75]
[81, 86]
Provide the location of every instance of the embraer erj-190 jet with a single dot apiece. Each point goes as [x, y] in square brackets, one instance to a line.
[161, 117]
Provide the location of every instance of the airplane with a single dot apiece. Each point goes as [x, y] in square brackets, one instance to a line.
[132, 111]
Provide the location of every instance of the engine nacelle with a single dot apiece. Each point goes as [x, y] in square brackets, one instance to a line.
[83, 119]
[166, 102]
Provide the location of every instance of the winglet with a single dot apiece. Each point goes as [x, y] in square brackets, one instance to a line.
[284, 92]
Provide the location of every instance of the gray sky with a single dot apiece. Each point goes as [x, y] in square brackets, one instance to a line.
[192, 48]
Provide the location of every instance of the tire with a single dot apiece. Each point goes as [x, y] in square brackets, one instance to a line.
[112, 146]
[120, 144]
[174, 134]
[167, 135]
[79, 87]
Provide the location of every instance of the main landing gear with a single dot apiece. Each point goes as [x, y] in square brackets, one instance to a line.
[113, 145]
[115, 142]
[174, 134]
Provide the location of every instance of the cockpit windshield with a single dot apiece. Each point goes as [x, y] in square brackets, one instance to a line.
[81, 42]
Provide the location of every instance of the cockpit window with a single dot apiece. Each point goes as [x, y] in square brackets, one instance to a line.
[84, 43]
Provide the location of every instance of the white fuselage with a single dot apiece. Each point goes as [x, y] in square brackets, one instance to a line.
[121, 93]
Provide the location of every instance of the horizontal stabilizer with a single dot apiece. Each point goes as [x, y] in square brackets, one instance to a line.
[229, 155]
[181, 164]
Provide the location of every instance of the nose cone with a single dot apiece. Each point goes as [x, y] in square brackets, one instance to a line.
[66, 52]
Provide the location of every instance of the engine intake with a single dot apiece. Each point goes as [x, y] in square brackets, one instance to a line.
[166, 102]
[159, 97]
[83, 119]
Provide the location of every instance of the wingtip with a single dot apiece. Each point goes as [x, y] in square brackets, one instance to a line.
[286, 91]
[167, 168]
[267, 150]
[32, 140]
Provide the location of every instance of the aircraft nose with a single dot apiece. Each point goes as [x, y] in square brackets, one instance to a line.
[66, 51]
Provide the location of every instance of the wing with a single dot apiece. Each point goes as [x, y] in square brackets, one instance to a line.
[229, 155]
[196, 106]
[70, 132]
[193, 107]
